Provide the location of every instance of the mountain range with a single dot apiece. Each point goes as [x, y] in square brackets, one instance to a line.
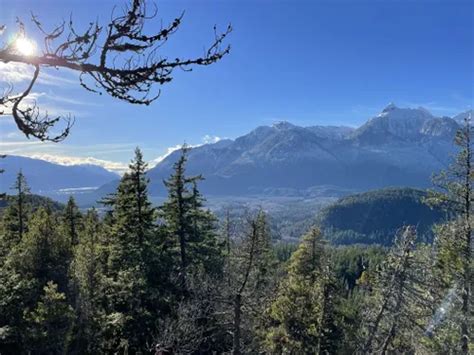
[397, 147]
[48, 178]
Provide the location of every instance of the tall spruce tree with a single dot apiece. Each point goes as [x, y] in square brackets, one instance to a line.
[129, 294]
[190, 229]
[15, 217]
[21, 191]
[72, 221]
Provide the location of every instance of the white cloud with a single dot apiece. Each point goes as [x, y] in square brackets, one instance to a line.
[208, 139]
[116, 167]
[15, 73]
[12, 143]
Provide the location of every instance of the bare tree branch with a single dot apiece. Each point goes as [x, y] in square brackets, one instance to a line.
[120, 59]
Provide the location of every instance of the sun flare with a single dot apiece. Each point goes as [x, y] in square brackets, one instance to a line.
[24, 46]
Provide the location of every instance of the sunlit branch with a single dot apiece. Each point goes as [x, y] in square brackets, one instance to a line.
[119, 59]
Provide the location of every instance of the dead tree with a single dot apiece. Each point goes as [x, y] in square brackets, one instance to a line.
[119, 59]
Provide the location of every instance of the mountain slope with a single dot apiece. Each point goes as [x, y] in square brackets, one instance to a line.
[44, 177]
[375, 216]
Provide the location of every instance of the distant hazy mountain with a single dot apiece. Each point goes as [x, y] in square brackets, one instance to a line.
[398, 147]
[44, 177]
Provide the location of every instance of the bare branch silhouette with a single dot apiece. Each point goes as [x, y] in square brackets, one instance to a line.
[120, 59]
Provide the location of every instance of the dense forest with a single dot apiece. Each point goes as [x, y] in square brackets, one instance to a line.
[174, 279]
[376, 216]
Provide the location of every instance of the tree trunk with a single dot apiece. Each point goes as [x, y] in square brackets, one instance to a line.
[237, 314]
[467, 251]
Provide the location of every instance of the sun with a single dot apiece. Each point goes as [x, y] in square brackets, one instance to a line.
[25, 46]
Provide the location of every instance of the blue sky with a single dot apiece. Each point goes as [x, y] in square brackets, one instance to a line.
[307, 62]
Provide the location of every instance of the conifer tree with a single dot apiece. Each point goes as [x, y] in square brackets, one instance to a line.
[249, 282]
[40, 257]
[72, 221]
[43, 254]
[86, 273]
[397, 307]
[21, 188]
[455, 253]
[302, 315]
[49, 323]
[190, 229]
[129, 294]
[15, 217]
[133, 214]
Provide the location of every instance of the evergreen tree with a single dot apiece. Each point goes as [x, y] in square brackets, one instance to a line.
[72, 221]
[396, 309]
[41, 256]
[49, 323]
[15, 218]
[455, 248]
[21, 188]
[129, 294]
[302, 315]
[86, 274]
[190, 229]
[249, 282]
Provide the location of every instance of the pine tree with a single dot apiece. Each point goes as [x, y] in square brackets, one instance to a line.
[21, 188]
[129, 294]
[15, 217]
[397, 307]
[72, 221]
[455, 249]
[249, 282]
[190, 229]
[302, 315]
[133, 215]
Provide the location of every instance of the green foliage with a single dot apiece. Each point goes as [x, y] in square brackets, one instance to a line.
[249, 282]
[349, 262]
[301, 316]
[396, 307]
[283, 251]
[15, 218]
[128, 294]
[454, 244]
[189, 229]
[87, 285]
[40, 257]
[71, 221]
[49, 323]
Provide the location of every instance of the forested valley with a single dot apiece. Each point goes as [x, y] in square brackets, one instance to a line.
[174, 279]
